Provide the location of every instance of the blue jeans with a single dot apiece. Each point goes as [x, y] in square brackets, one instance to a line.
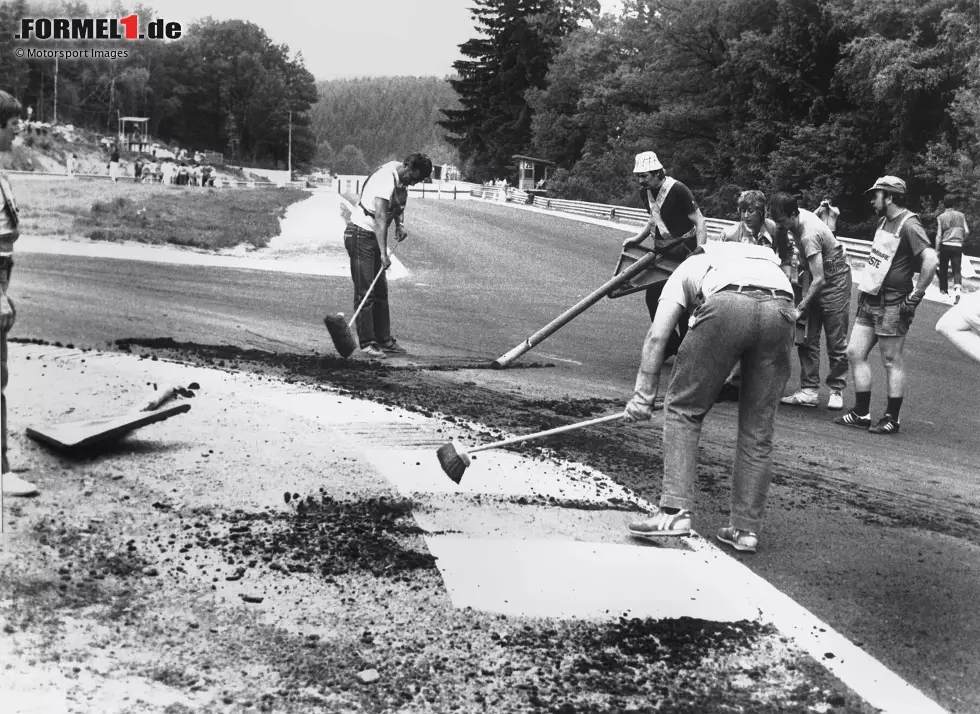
[756, 331]
[830, 311]
[373, 322]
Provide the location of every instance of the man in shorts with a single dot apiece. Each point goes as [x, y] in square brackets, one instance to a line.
[887, 300]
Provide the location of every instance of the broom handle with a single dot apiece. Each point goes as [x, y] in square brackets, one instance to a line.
[371, 287]
[549, 432]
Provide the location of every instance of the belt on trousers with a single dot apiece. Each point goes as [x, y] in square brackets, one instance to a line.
[753, 290]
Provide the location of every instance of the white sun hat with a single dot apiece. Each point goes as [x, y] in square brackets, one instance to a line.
[647, 161]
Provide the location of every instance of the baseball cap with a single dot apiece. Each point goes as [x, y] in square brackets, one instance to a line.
[889, 183]
[647, 161]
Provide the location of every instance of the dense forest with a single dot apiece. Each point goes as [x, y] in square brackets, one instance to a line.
[360, 123]
[817, 97]
[223, 86]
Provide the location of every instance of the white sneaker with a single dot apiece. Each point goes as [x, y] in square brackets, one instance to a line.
[16, 486]
[802, 398]
[957, 293]
[836, 401]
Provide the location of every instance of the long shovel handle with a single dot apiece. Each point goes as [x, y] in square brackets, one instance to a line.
[371, 288]
[549, 432]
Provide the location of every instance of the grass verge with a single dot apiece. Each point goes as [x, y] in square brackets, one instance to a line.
[187, 216]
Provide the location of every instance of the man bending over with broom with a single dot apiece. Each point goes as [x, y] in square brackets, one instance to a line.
[742, 312]
[383, 199]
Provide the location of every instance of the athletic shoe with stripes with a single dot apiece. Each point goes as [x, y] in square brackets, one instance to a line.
[663, 524]
[885, 425]
[746, 541]
[852, 418]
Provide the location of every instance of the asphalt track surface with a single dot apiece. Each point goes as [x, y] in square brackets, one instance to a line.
[878, 536]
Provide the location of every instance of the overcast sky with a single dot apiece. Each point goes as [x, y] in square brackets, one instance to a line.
[349, 39]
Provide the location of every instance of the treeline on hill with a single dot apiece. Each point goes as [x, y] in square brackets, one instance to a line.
[361, 123]
[222, 86]
[815, 97]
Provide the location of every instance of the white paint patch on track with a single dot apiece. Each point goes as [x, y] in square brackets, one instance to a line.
[570, 579]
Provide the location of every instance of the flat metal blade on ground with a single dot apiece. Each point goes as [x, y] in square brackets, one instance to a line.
[88, 432]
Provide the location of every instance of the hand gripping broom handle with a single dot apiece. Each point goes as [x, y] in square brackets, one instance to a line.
[371, 287]
[549, 432]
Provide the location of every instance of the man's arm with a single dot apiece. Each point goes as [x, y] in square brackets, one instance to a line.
[700, 225]
[642, 235]
[815, 263]
[939, 234]
[381, 223]
[640, 406]
[8, 314]
[955, 327]
[930, 262]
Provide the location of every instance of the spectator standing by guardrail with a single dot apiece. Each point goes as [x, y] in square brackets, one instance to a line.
[825, 303]
[71, 164]
[951, 231]
[10, 110]
[676, 223]
[887, 301]
[114, 163]
[828, 213]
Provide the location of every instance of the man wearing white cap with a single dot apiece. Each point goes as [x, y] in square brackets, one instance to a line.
[676, 224]
[886, 302]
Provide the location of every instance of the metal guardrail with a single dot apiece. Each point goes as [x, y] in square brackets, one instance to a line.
[857, 250]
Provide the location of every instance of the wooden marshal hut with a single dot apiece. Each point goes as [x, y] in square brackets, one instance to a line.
[532, 171]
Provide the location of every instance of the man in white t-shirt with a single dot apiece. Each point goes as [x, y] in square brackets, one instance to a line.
[741, 311]
[382, 202]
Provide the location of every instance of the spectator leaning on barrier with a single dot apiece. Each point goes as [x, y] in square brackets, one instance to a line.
[825, 304]
[741, 306]
[951, 231]
[675, 222]
[887, 301]
[383, 199]
[10, 111]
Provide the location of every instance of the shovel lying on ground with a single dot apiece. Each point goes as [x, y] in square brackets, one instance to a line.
[88, 432]
[637, 269]
[340, 331]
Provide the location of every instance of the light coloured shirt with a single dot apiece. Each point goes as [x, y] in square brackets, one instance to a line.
[383, 183]
[721, 264]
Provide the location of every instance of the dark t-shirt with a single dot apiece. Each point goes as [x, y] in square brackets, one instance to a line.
[908, 257]
[678, 205]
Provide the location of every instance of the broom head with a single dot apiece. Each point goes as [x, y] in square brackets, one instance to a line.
[341, 335]
[454, 460]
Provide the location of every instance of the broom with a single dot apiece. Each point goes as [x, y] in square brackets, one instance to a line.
[454, 458]
[340, 331]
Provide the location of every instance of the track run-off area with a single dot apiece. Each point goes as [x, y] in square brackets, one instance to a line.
[869, 557]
